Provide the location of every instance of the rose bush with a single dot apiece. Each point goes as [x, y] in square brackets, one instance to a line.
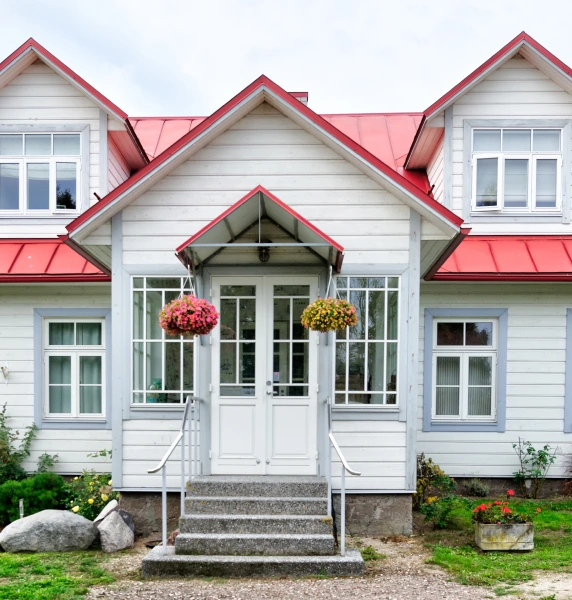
[329, 314]
[500, 513]
[188, 315]
[89, 493]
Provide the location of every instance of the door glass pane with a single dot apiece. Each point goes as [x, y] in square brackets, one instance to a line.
[479, 334]
[341, 366]
[228, 319]
[66, 186]
[487, 182]
[154, 305]
[516, 140]
[486, 140]
[546, 181]
[300, 357]
[9, 186]
[281, 366]
[247, 315]
[480, 402]
[38, 145]
[292, 290]
[90, 399]
[516, 183]
[11, 145]
[61, 334]
[480, 370]
[173, 366]
[38, 182]
[375, 367]
[66, 145]
[356, 366]
[358, 299]
[228, 362]
[281, 318]
[188, 366]
[238, 290]
[247, 362]
[59, 399]
[88, 334]
[450, 334]
[299, 332]
[546, 140]
[376, 317]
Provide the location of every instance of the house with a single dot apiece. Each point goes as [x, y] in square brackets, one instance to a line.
[449, 230]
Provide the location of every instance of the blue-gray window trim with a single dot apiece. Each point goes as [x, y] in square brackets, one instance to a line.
[432, 313]
[568, 375]
[39, 315]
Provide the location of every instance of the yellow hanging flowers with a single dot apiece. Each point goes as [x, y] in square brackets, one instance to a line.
[329, 314]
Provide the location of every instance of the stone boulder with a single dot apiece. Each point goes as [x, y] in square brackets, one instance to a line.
[110, 506]
[49, 531]
[127, 518]
[115, 534]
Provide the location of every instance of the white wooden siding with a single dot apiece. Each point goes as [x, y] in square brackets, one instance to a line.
[266, 148]
[515, 90]
[117, 168]
[40, 96]
[535, 377]
[17, 304]
[435, 172]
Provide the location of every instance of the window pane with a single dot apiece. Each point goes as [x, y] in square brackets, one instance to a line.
[173, 366]
[238, 290]
[38, 145]
[154, 366]
[90, 400]
[341, 366]
[341, 282]
[376, 315]
[448, 370]
[88, 334]
[340, 399]
[38, 180]
[546, 174]
[392, 310]
[188, 365]
[487, 140]
[11, 145]
[516, 140]
[9, 186]
[61, 334]
[168, 283]
[59, 399]
[138, 282]
[154, 305]
[546, 140]
[375, 367]
[515, 183]
[447, 402]
[66, 145]
[357, 332]
[90, 370]
[59, 370]
[487, 181]
[479, 334]
[138, 356]
[137, 315]
[391, 367]
[376, 282]
[393, 282]
[358, 282]
[480, 402]
[356, 366]
[450, 334]
[480, 370]
[66, 186]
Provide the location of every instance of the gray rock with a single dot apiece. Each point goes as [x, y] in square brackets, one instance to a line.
[114, 533]
[49, 531]
[127, 518]
[106, 510]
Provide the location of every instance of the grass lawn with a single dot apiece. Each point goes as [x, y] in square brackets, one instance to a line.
[61, 576]
[455, 550]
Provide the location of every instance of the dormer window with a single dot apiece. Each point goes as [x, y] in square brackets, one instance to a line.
[39, 173]
[517, 170]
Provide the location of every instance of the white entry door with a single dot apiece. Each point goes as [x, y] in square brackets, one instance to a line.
[264, 391]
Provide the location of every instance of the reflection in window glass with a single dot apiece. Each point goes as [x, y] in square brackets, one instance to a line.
[546, 182]
[9, 186]
[10, 145]
[66, 186]
[66, 145]
[38, 145]
[516, 140]
[487, 140]
[38, 180]
[487, 182]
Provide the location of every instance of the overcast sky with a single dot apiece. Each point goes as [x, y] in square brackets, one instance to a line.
[188, 57]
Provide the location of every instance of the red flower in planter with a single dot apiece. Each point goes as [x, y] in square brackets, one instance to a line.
[506, 510]
[509, 493]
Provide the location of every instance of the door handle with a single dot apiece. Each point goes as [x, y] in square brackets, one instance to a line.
[257, 461]
[269, 392]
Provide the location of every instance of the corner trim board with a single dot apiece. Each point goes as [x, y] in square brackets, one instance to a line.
[568, 376]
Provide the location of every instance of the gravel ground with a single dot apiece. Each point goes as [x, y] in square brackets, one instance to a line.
[401, 575]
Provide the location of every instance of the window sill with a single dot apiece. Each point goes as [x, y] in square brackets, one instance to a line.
[60, 423]
[464, 426]
[508, 217]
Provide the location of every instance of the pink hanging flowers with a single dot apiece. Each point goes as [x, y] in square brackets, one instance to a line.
[188, 315]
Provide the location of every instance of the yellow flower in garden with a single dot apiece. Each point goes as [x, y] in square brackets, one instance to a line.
[110, 482]
[90, 501]
[104, 497]
[75, 478]
[75, 509]
[91, 483]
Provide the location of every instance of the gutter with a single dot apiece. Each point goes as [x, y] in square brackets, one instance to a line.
[455, 243]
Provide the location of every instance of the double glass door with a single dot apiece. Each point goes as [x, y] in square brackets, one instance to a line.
[264, 377]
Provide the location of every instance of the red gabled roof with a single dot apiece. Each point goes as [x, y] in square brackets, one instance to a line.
[258, 84]
[44, 260]
[509, 258]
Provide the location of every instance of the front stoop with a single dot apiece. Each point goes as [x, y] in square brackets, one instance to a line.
[254, 526]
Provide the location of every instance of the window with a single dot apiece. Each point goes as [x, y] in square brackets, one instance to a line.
[163, 366]
[39, 172]
[464, 369]
[74, 356]
[517, 170]
[366, 369]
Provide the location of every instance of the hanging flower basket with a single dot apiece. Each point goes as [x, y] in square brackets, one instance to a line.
[329, 314]
[188, 315]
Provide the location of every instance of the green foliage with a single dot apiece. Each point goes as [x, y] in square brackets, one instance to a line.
[429, 476]
[499, 512]
[370, 553]
[12, 456]
[89, 493]
[40, 492]
[52, 576]
[46, 462]
[438, 510]
[475, 487]
[534, 466]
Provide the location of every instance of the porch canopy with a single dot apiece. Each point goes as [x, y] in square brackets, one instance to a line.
[242, 226]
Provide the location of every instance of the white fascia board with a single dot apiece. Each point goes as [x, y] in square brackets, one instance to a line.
[542, 59]
[183, 154]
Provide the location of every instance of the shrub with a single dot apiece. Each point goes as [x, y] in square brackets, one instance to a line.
[534, 465]
[89, 493]
[40, 492]
[475, 487]
[12, 457]
[370, 553]
[438, 510]
[430, 475]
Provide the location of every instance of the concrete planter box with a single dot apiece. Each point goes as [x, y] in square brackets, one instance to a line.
[517, 536]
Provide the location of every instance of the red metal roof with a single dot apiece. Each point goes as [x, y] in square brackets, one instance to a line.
[45, 260]
[509, 258]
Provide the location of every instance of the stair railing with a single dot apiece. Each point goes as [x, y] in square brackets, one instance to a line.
[331, 442]
[188, 436]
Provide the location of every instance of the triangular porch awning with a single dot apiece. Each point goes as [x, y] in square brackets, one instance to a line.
[245, 216]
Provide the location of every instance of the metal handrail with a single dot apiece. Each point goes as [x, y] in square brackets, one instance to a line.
[341, 455]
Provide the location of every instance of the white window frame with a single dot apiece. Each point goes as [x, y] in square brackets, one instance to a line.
[502, 157]
[51, 159]
[464, 353]
[346, 392]
[183, 393]
[75, 352]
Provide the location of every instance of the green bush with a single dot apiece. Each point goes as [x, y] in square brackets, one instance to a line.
[438, 510]
[40, 492]
[12, 457]
[475, 487]
[89, 493]
[534, 465]
[430, 475]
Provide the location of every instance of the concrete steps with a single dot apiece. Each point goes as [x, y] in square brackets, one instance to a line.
[253, 526]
